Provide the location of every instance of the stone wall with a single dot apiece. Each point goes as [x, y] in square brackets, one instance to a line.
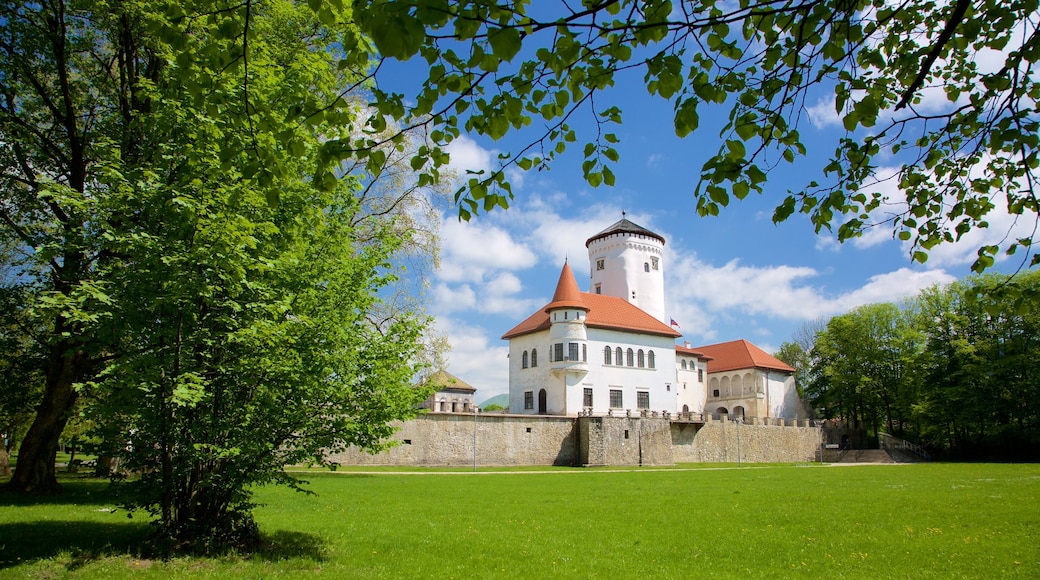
[728, 441]
[624, 441]
[446, 439]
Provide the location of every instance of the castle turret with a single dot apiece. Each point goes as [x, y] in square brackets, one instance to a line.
[568, 336]
[626, 262]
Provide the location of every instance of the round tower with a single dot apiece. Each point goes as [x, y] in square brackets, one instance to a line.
[626, 261]
[568, 337]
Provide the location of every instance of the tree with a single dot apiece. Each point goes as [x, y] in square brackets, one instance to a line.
[909, 79]
[202, 261]
[864, 358]
[978, 389]
[798, 352]
[954, 368]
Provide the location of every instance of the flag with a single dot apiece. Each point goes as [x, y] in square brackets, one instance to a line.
[675, 324]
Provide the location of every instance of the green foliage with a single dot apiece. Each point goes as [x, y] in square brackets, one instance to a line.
[498, 67]
[955, 369]
[209, 276]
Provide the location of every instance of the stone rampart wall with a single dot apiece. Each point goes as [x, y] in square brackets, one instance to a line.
[728, 441]
[446, 439]
[624, 441]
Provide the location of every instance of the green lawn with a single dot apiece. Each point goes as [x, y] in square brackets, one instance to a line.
[914, 521]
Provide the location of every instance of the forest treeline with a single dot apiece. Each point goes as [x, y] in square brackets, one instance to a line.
[955, 369]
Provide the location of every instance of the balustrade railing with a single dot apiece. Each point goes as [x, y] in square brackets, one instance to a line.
[890, 442]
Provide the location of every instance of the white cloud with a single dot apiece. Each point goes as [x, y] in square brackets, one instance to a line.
[710, 296]
[452, 299]
[823, 114]
[468, 155]
[471, 250]
[474, 358]
[890, 287]
[504, 283]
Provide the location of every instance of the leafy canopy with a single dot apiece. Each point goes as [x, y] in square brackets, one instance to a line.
[913, 82]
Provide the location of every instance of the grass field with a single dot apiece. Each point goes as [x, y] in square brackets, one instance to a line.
[894, 521]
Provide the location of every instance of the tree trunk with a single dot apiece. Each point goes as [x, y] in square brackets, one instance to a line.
[5, 462]
[34, 471]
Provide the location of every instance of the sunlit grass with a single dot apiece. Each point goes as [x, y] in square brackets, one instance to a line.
[915, 521]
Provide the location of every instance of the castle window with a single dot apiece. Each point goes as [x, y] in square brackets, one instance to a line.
[641, 358]
[684, 364]
[617, 358]
[642, 399]
[599, 288]
[631, 358]
[700, 375]
[558, 351]
[584, 353]
[572, 351]
[646, 266]
[528, 400]
[715, 393]
[523, 360]
[587, 398]
[534, 357]
[606, 355]
[651, 360]
[601, 264]
[655, 263]
[616, 400]
[565, 315]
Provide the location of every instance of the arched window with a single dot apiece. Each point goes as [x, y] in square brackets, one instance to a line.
[646, 266]
[650, 359]
[534, 357]
[631, 357]
[523, 360]
[617, 357]
[684, 364]
[606, 355]
[641, 359]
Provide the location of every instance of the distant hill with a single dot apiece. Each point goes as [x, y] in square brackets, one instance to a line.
[502, 400]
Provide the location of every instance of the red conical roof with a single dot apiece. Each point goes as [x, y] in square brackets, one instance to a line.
[567, 294]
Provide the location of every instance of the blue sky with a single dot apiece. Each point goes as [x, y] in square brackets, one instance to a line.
[734, 276]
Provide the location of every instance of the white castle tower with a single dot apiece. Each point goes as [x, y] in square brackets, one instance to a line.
[626, 262]
[568, 334]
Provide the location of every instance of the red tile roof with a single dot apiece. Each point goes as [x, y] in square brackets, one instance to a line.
[567, 294]
[692, 351]
[603, 312]
[740, 354]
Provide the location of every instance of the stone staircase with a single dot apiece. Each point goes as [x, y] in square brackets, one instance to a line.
[857, 456]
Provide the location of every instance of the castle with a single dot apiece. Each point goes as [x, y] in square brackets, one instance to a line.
[612, 351]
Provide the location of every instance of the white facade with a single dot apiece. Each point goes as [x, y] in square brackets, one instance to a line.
[753, 392]
[559, 362]
[629, 265]
[564, 383]
[691, 372]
